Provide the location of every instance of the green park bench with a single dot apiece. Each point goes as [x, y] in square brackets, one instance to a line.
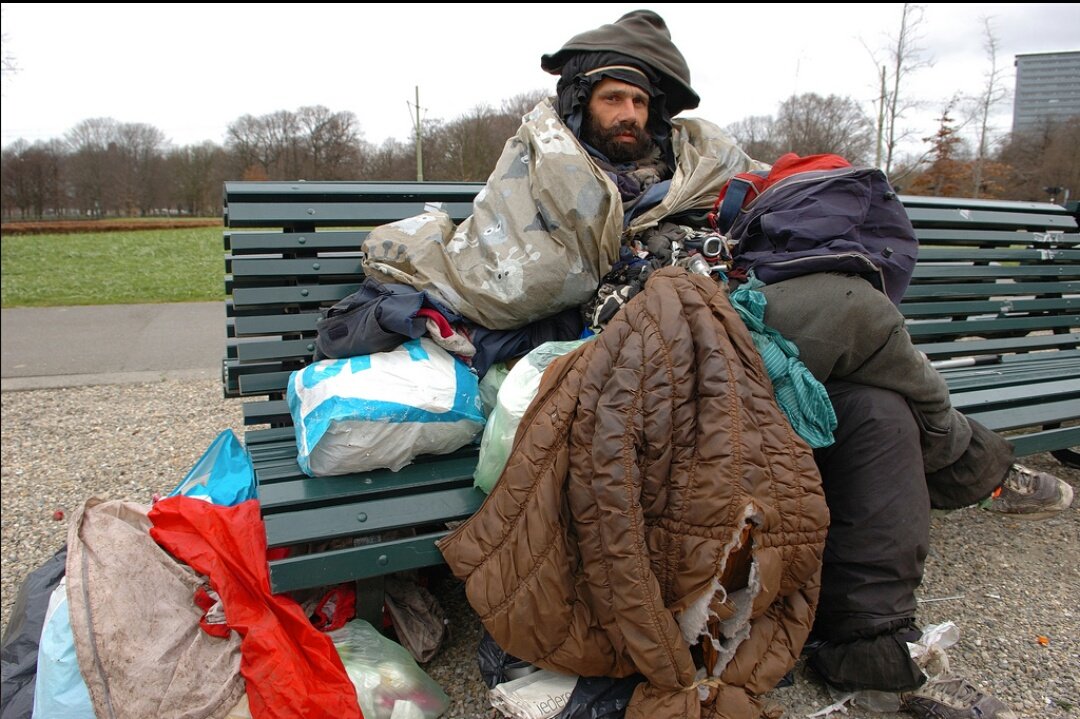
[996, 290]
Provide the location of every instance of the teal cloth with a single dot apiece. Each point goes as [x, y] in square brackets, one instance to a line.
[802, 399]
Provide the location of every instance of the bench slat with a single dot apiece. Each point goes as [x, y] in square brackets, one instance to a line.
[264, 383]
[988, 218]
[306, 268]
[989, 326]
[306, 295]
[371, 516]
[272, 242]
[269, 412]
[976, 400]
[1046, 441]
[997, 289]
[982, 307]
[991, 238]
[938, 350]
[1047, 413]
[983, 254]
[996, 272]
[387, 191]
[254, 325]
[334, 214]
[447, 471]
[361, 562]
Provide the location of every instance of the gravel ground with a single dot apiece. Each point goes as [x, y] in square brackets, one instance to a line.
[1004, 582]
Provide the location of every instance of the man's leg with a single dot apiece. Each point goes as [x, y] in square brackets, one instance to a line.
[878, 538]
[847, 330]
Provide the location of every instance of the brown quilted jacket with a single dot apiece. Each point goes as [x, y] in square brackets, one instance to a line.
[655, 496]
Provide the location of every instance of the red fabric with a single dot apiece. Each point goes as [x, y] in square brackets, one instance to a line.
[292, 670]
[787, 165]
[441, 322]
[335, 608]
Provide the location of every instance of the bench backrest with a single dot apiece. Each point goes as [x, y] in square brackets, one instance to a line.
[999, 283]
[993, 270]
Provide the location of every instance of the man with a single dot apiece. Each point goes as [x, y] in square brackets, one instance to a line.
[619, 87]
[867, 606]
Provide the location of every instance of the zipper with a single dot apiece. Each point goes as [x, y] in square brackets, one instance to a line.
[801, 177]
[870, 266]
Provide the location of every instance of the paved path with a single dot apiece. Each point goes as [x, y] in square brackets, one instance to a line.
[110, 344]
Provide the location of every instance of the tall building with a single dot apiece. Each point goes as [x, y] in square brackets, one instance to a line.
[1047, 88]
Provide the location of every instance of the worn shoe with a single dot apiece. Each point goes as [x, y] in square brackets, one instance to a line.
[953, 698]
[1030, 494]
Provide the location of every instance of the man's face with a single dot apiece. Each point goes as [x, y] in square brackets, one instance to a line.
[615, 121]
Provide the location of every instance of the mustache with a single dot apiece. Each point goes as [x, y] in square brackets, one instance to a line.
[626, 127]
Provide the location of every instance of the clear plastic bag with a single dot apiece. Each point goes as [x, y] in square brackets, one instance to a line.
[389, 683]
[928, 653]
[516, 393]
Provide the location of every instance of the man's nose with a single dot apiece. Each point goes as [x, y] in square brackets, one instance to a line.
[626, 111]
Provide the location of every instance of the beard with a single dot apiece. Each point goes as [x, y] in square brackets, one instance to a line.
[605, 140]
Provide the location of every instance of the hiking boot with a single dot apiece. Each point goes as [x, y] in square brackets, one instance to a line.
[1030, 494]
[953, 698]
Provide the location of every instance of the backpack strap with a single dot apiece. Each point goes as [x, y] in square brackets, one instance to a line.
[732, 197]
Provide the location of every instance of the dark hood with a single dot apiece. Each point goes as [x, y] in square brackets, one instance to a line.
[644, 36]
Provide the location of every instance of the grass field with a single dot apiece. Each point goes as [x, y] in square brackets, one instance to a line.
[161, 265]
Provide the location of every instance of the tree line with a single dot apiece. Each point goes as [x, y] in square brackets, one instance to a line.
[106, 168]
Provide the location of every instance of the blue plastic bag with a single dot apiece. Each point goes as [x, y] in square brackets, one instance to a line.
[60, 692]
[224, 474]
[382, 410]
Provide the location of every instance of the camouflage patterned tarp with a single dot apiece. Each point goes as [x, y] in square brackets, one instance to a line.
[545, 228]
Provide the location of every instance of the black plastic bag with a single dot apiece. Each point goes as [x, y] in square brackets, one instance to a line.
[600, 697]
[19, 652]
[496, 666]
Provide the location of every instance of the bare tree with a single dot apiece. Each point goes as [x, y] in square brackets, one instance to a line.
[32, 178]
[92, 166]
[332, 143]
[757, 136]
[197, 172]
[141, 183]
[993, 93]
[809, 124]
[904, 58]
[392, 160]
[1041, 157]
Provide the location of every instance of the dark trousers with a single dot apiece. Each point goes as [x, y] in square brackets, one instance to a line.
[879, 534]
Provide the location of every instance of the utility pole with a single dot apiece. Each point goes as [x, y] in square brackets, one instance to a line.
[880, 119]
[419, 141]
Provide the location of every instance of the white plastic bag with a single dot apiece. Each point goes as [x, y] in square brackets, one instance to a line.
[537, 695]
[389, 683]
[516, 393]
[929, 651]
[382, 410]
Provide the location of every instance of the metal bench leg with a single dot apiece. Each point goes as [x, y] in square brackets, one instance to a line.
[1068, 457]
[370, 596]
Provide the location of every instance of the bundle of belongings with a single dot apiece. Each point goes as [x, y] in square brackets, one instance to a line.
[166, 611]
[656, 503]
[659, 513]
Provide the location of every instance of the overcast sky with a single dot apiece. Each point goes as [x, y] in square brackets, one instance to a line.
[191, 69]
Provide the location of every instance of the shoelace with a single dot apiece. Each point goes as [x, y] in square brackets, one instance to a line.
[1020, 479]
[951, 690]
